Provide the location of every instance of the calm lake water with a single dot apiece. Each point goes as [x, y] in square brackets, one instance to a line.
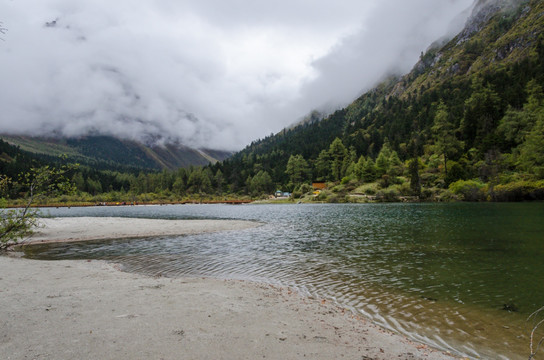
[443, 274]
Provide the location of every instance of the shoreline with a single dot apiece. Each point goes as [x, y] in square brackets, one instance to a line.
[90, 309]
[75, 229]
[128, 203]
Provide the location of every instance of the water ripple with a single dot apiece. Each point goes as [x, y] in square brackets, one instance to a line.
[434, 273]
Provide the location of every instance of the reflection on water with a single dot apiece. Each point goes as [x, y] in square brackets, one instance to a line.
[438, 273]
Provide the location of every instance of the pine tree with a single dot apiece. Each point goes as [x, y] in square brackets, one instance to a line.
[337, 153]
[323, 166]
[369, 171]
[415, 182]
[297, 169]
[219, 180]
[445, 141]
[359, 167]
[531, 156]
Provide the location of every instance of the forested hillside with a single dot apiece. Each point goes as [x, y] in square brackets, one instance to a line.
[470, 110]
[467, 123]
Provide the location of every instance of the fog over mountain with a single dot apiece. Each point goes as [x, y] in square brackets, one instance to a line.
[211, 74]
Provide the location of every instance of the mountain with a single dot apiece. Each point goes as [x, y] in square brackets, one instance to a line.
[105, 152]
[467, 123]
[472, 105]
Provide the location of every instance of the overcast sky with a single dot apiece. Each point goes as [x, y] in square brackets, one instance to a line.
[209, 73]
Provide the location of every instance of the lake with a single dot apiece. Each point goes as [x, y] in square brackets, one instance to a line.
[461, 277]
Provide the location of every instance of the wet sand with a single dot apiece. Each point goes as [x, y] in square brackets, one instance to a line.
[71, 229]
[91, 310]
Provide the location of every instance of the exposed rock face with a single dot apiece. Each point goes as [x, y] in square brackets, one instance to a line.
[482, 11]
[446, 58]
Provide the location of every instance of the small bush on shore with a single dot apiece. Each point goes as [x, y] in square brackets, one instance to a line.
[388, 195]
[468, 190]
[519, 191]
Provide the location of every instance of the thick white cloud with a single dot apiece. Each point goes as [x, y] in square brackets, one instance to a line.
[213, 74]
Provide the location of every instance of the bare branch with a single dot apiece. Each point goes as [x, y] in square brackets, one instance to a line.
[535, 313]
[535, 328]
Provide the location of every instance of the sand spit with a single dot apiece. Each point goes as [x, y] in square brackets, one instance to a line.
[100, 228]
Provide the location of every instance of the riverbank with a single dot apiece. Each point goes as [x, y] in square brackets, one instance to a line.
[90, 310]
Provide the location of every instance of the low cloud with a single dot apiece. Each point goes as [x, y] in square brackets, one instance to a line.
[206, 73]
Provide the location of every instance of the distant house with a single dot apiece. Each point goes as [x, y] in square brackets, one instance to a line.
[319, 185]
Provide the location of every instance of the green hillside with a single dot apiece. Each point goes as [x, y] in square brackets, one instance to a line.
[467, 123]
[120, 168]
[469, 116]
[13, 161]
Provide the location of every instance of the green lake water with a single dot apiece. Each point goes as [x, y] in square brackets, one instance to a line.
[461, 277]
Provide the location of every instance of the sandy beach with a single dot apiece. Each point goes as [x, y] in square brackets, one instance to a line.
[101, 228]
[91, 310]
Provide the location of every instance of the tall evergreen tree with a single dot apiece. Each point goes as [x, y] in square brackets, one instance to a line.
[481, 116]
[297, 169]
[531, 156]
[383, 159]
[445, 141]
[415, 182]
[369, 171]
[323, 166]
[337, 153]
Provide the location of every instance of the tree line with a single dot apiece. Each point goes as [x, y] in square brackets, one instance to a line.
[463, 129]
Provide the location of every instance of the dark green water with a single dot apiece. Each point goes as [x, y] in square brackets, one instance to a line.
[438, 273]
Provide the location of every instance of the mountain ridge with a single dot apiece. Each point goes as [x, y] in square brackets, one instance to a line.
[111, 152]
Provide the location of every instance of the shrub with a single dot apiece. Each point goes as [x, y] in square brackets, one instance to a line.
[338, 188]
[432, 194]
[385, 181]
[305, 189]
[447, 196]
[404, 189]
[323, 195]
[367, 189]
[519, 190]
[468, 190]
[388, 195]
[455, 172]
[426, 193]
[333, 199]
[351, 185]
[428, 179]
